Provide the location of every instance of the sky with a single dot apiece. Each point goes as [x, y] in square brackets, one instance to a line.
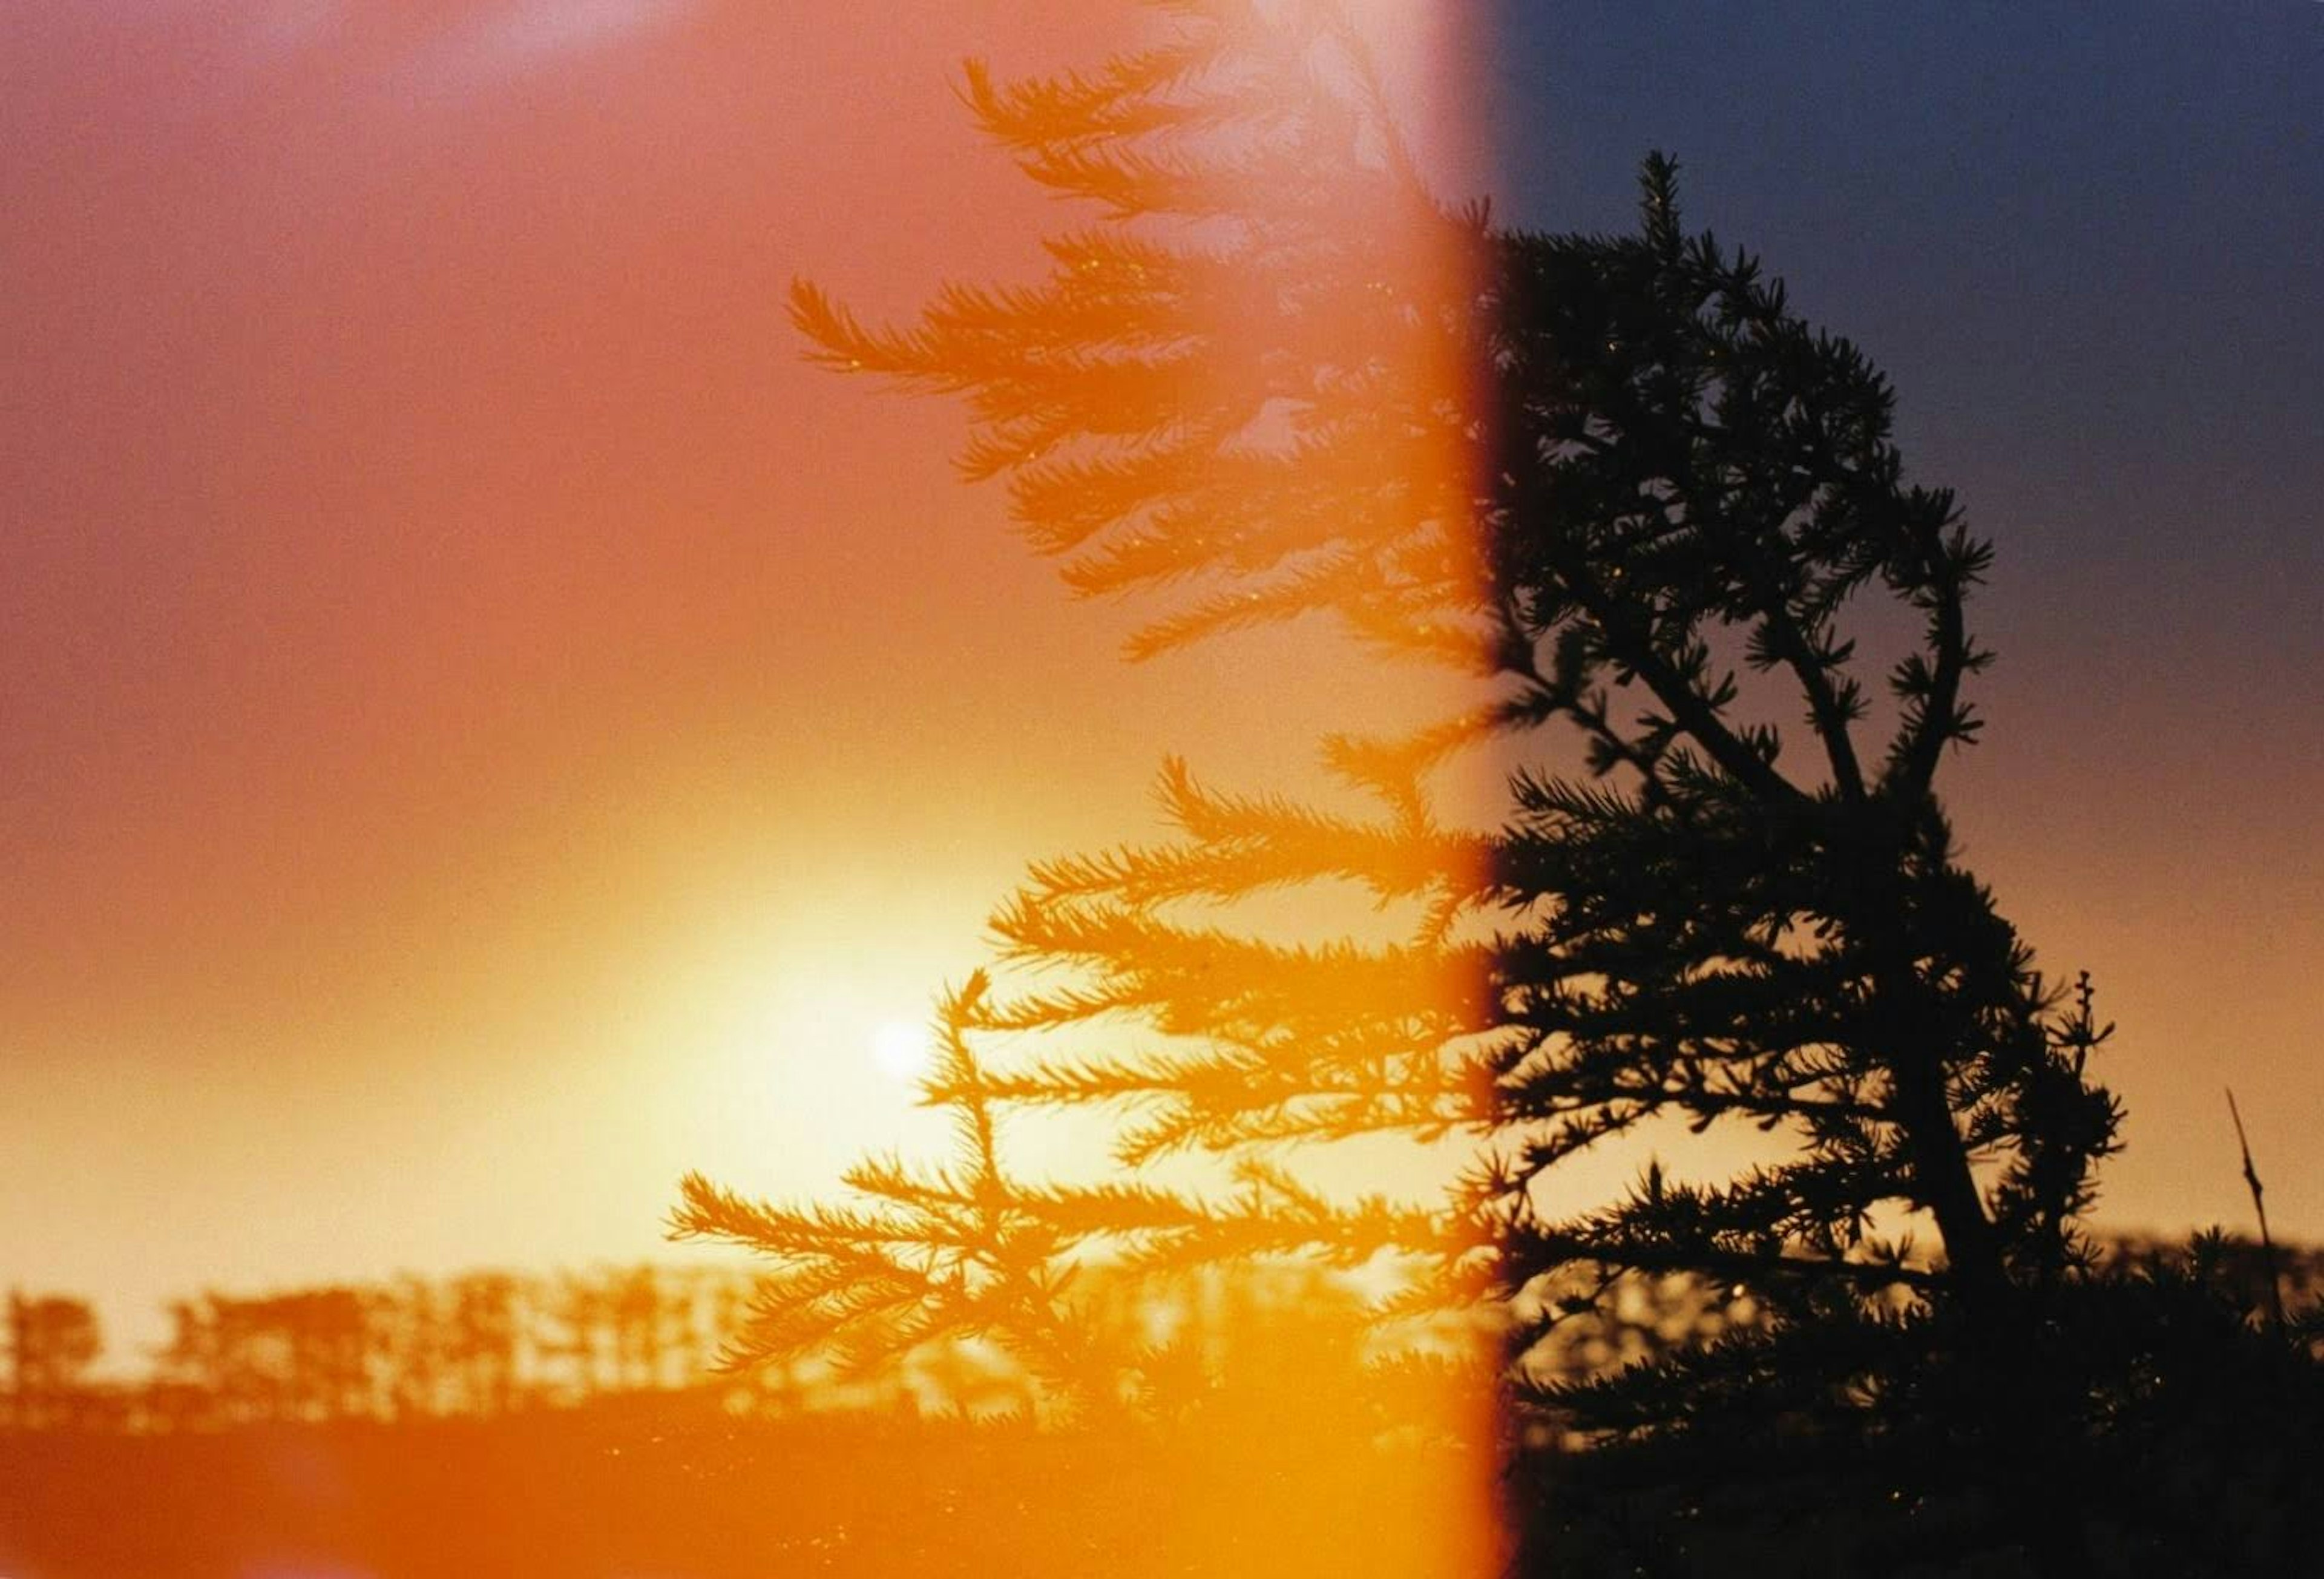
[488, 728]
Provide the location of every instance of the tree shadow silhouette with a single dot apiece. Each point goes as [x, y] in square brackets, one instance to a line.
[1660, 521]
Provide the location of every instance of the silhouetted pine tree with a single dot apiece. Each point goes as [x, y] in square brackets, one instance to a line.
[1654, 511]
[956, 1252]
[1244, 281]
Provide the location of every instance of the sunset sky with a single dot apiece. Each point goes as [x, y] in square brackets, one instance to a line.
[488, 728]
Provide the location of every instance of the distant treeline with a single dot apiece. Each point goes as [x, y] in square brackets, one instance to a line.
[493, 1345]
[483, 1345]
[488, 1345]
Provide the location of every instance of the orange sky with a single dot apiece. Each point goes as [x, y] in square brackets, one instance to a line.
[495, 729]
[489, 728]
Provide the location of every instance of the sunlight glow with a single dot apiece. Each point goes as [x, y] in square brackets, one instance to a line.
[903, 1050]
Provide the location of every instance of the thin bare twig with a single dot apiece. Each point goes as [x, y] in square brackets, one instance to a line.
[2259, 1205]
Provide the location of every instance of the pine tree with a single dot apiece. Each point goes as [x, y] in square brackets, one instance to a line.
[1223, 387]
[1658, 518]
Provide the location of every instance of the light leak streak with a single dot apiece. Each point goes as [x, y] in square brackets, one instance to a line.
[1444, 1523]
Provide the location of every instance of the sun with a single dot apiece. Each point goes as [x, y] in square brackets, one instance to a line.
[902, 1049]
